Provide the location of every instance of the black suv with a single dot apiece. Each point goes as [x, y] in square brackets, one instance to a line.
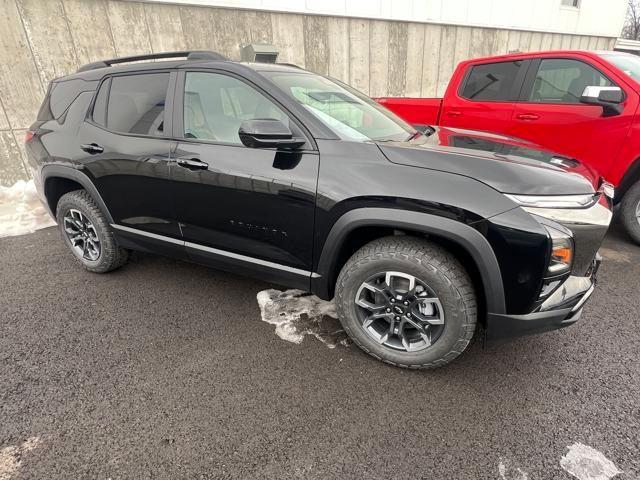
[274, 171]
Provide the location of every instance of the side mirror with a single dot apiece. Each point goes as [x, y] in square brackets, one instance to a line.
[268, 133]
[609, 98]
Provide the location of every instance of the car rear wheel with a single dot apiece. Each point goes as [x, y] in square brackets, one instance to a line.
[630, 212]
[86, 232]
[407, 302]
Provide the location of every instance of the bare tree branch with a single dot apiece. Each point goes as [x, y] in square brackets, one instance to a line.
[631, 29]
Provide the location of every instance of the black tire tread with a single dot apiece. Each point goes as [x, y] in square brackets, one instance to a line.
[628, 212]
[112, 256]
[427, 254]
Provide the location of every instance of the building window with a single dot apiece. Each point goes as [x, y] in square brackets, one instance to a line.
[571, 3]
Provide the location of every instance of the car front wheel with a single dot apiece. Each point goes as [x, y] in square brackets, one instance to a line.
[630, 212]
[407, 302]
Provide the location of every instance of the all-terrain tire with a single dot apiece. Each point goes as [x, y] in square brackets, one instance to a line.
[629, 212]
[111, 255]
[432, 265]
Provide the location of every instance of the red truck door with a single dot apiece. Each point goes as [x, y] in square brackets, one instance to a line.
[482, 96]
[550, 114]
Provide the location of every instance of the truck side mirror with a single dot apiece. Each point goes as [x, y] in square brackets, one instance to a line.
[609, 98]
[268, 133]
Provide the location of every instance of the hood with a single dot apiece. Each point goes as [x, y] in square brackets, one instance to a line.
[507, 164]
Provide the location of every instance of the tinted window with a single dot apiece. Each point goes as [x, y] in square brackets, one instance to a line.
[60, 96]
[136, 104]
[492, 81]
[100, 106]
[215, 106]
[562, 81]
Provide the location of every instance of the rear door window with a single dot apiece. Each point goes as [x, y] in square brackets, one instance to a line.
[136, 104]
[493, 82]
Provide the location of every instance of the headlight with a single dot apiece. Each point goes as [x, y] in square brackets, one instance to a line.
[561, 252]
[555, 201]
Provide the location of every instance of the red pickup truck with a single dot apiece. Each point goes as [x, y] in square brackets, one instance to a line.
[577, 103]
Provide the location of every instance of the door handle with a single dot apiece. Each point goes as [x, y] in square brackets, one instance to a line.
[92, 148]
[192, 163]
[454, 113]
[527, 116]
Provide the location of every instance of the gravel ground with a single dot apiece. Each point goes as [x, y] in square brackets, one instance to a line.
[165, 370]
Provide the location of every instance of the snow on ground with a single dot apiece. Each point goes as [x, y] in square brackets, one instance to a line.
[508, 471]
[587, 463]
[21, 211]
[296, 313]
[11, 457]
[581, 461]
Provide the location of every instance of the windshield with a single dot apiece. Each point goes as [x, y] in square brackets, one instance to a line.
[348, 113]
[629, 64]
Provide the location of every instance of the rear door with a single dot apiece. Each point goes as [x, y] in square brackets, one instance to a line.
[125, 147]
[241, 208]
[550, 114]
[485, 98]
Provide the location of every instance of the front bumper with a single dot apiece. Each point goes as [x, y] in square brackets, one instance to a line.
[561, 309]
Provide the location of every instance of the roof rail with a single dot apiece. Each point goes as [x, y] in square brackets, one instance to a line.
[190, 55]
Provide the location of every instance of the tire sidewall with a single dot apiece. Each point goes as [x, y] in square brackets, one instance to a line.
[78, 203]
[628, 208]
[455, 315]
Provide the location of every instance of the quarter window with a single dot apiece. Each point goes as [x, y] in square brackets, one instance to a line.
[561, 80]
[136, 104]
[492, 81]
[215, 105]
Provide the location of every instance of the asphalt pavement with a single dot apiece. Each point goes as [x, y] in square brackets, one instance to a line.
[164, 369]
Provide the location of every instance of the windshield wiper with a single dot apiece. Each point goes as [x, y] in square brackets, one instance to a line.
[414, 135]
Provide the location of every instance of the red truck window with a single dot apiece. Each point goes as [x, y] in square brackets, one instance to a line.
[492, 82]
[561, 80]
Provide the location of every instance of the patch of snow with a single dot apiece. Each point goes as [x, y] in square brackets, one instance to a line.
[508, 472]
[21, 210]
[11, 457]
[296, 313]
[587, 463]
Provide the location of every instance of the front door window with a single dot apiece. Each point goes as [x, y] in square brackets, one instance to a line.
[215, 105]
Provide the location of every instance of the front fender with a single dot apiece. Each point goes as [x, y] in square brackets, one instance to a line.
[466, 237]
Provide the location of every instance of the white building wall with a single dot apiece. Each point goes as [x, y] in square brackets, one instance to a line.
[592, 17]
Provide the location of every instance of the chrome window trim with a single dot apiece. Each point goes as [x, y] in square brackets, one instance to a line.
[216, 251]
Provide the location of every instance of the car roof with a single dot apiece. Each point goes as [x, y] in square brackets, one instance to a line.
[545, 53]
[96, 70]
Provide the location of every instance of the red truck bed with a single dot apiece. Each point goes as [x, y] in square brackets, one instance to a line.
[417, 111]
